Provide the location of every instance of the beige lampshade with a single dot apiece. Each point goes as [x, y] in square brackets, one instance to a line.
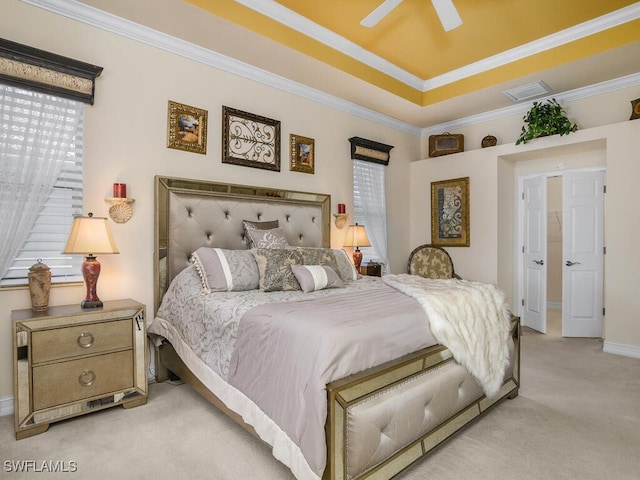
[356, 237]
[90, 236]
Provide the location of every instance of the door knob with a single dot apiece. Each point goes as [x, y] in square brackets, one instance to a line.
[571, 264]
[538, 262]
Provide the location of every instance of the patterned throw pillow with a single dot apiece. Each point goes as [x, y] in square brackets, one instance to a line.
[334, 258]
[346, 269]
[275, 268]
[272, 238]
[226, 270]
[248, 224]
[316, 277]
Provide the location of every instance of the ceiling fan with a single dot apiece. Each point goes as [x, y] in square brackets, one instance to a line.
[445, 9]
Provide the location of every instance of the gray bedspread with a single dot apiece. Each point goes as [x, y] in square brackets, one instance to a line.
[286, 352]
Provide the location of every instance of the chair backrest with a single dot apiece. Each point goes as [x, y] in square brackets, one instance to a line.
[430, 261]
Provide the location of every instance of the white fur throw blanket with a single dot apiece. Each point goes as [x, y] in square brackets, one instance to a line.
[469, 318]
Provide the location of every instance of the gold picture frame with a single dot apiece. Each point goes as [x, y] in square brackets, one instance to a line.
[187, 128]
[303, 154]
[450, 212]
[635, 109]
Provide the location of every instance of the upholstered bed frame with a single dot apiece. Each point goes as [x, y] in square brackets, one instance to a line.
[428, 387]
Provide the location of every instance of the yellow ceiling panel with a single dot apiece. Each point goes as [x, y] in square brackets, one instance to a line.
[411, 38]
[582, 48]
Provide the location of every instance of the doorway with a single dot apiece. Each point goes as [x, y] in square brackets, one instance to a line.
[562, 264]
[554, 256]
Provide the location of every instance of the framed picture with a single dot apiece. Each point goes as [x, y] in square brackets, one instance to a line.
[635, 109]
[303, 153]
[450, 212]
[250, 140]
[187, 128]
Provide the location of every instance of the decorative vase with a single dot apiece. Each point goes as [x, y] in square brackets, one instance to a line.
[39, 286]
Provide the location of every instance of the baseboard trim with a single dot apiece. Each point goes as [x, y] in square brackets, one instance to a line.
[621, 349]
[6, 406]
[555, 305]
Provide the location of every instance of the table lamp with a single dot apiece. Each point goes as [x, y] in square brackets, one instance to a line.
[357, 237]
[90, 236]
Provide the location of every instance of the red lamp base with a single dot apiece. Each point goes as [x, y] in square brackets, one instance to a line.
[91, 272]
[357, 258]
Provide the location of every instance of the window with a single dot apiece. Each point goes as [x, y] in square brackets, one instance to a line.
[369, 208]
[41, 168]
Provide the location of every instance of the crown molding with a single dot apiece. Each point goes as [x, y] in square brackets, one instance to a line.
[283, 15]
[291, 19]
[591, 27]
[564, 97]
[92, 16]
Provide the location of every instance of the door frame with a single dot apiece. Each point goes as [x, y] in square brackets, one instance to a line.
[519, 225]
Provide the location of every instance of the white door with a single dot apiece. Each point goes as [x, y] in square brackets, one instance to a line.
[534, 310]
[583, 254]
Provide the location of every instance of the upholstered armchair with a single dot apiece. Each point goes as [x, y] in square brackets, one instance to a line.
[430, 261]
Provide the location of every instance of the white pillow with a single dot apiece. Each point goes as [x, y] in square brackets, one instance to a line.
[316, 277]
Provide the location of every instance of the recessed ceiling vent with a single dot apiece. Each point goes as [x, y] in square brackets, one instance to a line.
[528, 91]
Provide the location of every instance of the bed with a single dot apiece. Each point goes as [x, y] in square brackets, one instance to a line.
[383, 392]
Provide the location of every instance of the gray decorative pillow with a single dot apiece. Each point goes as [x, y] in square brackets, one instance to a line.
[275, 268]
[226, 270]
[346, 269]
[316, 277]
[338, 260]
[272, 238]
[246, 224]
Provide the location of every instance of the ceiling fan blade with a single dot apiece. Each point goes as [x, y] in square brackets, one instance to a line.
[379, 13]
[448, 14]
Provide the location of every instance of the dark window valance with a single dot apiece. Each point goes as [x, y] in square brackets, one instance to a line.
[35, 69]
[363, 149]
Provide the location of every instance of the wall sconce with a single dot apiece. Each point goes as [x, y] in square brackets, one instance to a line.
[120, 210]
[341, 216]
[90, 236]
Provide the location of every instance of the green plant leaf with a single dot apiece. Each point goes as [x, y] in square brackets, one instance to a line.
[543, 119]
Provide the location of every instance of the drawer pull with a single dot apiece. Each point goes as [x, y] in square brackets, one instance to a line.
[85, 340]
[87, 378]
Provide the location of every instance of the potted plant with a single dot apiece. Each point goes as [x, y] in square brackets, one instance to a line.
[545, 118]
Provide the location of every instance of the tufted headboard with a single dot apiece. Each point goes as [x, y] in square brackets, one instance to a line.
[194, 213]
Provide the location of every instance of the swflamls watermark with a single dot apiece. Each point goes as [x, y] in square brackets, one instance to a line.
[40, 466]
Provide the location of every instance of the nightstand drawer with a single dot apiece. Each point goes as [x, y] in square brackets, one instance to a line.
[65, 382]
[80, 340]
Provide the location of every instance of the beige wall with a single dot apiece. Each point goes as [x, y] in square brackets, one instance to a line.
[494, 177]
[125, 138]
[126, 135]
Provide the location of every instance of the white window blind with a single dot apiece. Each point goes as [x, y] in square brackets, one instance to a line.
[49, 233]
[369, 208]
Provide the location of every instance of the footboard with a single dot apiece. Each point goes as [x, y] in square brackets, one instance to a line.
[382, 420]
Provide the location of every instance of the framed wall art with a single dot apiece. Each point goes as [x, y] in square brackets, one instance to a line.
[250, 140]
[303, 153]
[635, 109]
[187, 128]
[376, 152]
[450, 212]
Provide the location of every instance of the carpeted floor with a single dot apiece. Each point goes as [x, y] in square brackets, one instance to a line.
[577, 417]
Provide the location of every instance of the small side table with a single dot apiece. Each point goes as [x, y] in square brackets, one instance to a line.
[70, 361]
